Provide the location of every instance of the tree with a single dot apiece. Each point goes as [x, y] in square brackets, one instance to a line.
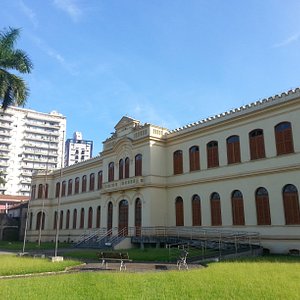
[13, 89]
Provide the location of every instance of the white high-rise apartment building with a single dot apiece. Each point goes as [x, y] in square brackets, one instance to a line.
[29, 141]
[77, 149]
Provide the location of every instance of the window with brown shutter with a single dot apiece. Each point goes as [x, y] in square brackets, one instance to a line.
[212, 154]
[237, 202]
[111, 171]
[138, 165]
[70, 184]
[291, 205]
[262, 207]
[76, 191]
[92, 181]
[98, 221]
[233, 149]
[178, 162]
[257, 144]
[74, 218]
[138, 217]
[123, 217]
[109, 216]
[68, 219]
[100, 180]
[83, 187]
[127, 161]
[121, 169]
[194, 158]
[196, 210]
[63, 189]
[284, 138]
[215, 205]
[90, 218]
[179, 212]
[81, 224]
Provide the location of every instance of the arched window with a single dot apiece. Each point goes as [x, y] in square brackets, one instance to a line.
[46, 190]
[30, 221]
[178, 162]
[40, 191]
[138, 165]
[123, 217]
[233, 149]
[33, 191]
[74, 218]
[257, 144]
[61, 219]
[100, 180]
[291, 205]
[237, 204]
[63, 189]
[138, 216]
[90, 218]
[111, 172]
[196, 210]
[81, 225]
[55, 220]
[83, 187]
[212, 154]
[77, 180]
[194, 158]
[57, 189]
[121, 168]
[262, 207]
[70, 186]
[109, 217]
[92, 181]
[284, 138]
[68, 219]
[40, 221]
[179, 212]
[98, 220]
[215, 206]
[127, 161]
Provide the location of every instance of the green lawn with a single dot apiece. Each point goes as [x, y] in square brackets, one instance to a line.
[262, 278]
[18, 246]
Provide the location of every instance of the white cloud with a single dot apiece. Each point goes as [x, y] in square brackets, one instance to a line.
[70, 7]
[289, 40]
[55, 55]
[30, 14]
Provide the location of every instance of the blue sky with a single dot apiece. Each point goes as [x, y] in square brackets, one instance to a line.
[165, 62]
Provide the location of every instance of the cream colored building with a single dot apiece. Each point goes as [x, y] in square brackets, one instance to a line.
[239, 171]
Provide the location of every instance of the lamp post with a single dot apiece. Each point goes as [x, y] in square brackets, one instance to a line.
[59, 197]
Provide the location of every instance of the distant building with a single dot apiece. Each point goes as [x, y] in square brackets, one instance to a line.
[77, 149]
[29, 141]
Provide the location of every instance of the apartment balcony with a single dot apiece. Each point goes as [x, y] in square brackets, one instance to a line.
[42, 123]
[5, 141]
[5, 125]
[123, 184]
[41, 131]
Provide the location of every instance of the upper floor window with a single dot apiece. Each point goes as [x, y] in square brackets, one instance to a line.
[138, 165]
[127, 161]
[111, 171]
[121, 168]
[92, 181]
[212, 154]
[194, 158]
[178, 162]
[70, 186]
[40, 191]
[33, 190]
[83, 187]
[76, 185]
[257, 144]
[233, 149]
[46, 190]
[284, 138]
[100, 180]
[63, 188]
[291, 205]
[57, 189]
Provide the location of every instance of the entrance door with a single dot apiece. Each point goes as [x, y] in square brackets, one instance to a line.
[123, 217]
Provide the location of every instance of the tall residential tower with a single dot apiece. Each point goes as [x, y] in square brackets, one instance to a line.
[29, 141]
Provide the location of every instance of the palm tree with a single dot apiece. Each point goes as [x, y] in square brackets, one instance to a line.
[13, 89]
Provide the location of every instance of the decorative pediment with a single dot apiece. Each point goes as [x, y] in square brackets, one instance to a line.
[126, 122]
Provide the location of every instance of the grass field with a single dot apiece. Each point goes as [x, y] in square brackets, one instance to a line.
[262, 278]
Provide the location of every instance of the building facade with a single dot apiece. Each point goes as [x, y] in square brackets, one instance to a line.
[77, 149]
[239, 171]
[29, 141]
